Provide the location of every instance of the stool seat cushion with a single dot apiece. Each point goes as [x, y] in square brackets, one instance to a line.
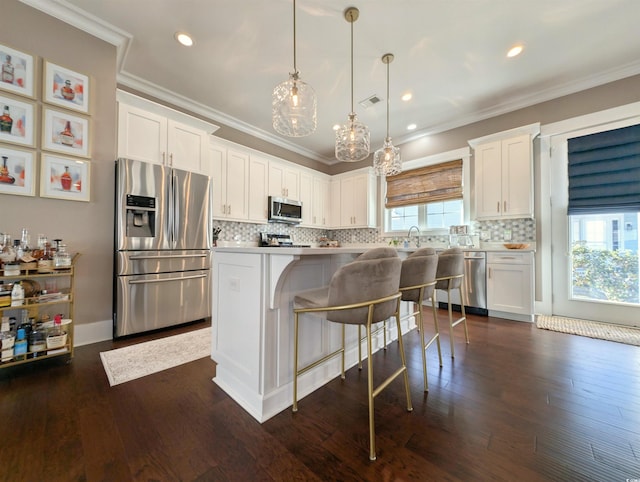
[315, 298]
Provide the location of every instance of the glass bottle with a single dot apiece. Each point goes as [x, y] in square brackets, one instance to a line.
[6, 122]
[17, 294]
[67, 137]
[62, 259]
[45, 262]
[37, 341]
[65, 179]
[8, 70]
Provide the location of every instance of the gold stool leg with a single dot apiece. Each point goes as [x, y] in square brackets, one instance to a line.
[295, 362]
[424, 352]
[404, 364]
[359, 347]
[464, 316]
[342, 373]
[450, 321]
[372, 430]
[436, 324]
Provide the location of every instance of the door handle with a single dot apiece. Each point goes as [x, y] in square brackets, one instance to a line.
[137, 258]
[162, 280]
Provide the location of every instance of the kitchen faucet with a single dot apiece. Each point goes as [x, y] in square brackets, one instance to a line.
[417, 236]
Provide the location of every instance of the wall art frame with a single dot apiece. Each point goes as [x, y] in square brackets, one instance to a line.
[65, 133]
[66, 88]
[65, 178]
[17, 171]
[17, 124]
[17, 71]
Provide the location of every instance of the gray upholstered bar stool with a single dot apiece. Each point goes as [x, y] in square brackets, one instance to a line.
[375, 253]
[450, 276]
[417, 283]
[363, 292]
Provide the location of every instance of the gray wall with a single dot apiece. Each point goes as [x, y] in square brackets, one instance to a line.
[87, 228]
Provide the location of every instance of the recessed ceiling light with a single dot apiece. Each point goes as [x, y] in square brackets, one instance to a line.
[411, 127]
[184, 38]
[515, 50]
[406, 97]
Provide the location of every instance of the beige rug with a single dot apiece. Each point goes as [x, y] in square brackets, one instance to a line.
[135, 361]
[592, 329]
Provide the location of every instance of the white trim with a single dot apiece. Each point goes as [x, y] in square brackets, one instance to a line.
[88, 333]
[591, 120]
[532, 129]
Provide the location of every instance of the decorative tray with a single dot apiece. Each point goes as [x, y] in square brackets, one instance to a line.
[516, 245]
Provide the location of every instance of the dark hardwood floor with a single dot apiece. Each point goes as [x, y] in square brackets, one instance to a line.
[518, 403]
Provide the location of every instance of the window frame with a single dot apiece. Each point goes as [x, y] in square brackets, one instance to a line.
[463, 153]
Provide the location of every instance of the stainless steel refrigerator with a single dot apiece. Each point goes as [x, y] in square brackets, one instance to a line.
[162, 247]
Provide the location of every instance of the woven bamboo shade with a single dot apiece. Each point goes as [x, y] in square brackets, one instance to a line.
[440, 182]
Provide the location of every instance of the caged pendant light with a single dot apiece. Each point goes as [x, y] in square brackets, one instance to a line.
[386, 160]
[294, 104]
[352, 139]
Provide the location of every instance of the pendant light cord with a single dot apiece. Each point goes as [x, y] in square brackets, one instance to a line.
[295, 66]
[388, 99]
[352, 111]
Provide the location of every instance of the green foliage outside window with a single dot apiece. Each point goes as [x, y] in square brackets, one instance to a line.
[603, 274]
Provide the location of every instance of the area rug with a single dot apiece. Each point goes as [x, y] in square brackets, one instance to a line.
[592, 329]
[135, 361]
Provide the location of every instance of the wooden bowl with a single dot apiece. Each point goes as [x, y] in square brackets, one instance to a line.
[516, 245]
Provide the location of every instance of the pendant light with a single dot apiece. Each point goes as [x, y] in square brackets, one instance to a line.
[386, 160]
[352, 139]
[294, 104]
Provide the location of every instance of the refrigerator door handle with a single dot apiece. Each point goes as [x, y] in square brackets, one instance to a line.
[170, 211]
[162, 280]
[173, 256]
[176, 210]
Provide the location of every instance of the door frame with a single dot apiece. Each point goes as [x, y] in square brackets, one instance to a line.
[628, 114]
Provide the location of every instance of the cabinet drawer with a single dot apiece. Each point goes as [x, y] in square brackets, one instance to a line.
[509, 258]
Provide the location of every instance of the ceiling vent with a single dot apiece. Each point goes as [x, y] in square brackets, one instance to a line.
[369, 101]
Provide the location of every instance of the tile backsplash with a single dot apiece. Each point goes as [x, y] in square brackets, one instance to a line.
[520, 229]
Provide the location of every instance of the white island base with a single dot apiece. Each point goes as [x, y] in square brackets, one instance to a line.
[252, 324]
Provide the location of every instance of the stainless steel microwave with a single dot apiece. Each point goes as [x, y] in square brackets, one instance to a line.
[283, 210]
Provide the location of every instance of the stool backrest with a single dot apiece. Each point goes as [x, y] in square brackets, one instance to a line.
[365, 280]
[418, 270]
[377, 253]
[450, 263]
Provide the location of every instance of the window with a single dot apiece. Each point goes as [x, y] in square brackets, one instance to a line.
[430, 197]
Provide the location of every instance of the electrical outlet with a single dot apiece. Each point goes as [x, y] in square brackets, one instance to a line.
[507, 235]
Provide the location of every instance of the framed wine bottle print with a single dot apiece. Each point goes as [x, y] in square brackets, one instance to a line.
[16, 121]
[65, 133]
[66, 88]
[17, 71]
[17, 172]
[64, 178]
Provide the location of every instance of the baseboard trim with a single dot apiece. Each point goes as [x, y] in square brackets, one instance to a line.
[88, 333]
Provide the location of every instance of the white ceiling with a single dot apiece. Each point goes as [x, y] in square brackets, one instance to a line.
[451, 54]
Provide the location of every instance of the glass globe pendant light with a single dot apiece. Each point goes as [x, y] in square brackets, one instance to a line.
[294, 103]
[352, 139]
[386, 160]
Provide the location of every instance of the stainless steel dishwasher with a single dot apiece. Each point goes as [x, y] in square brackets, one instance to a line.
[475, 285]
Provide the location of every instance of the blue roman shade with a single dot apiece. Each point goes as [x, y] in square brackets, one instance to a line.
[604, 172]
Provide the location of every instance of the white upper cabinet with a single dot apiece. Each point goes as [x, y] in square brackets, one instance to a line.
[230, 174]
[314, 194]
[357, 200]
[504, 176]
[284, 180]
[153, 133]
[258, 186]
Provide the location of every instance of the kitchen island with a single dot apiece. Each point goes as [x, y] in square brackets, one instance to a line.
[252, 323]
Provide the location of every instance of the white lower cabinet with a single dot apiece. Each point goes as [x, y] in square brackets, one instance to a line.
[510, 285]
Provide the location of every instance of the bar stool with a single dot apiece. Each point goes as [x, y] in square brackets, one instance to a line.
[363, 292]
[375, 253]
[417, 283]
[450, 276]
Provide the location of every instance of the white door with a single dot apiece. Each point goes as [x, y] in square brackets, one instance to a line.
[565, 302]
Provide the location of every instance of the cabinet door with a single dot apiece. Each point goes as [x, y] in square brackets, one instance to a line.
[509, 288]
[292, 183]
[517, 173]
[187, 147]
[237, 185]
[335, 206]
[142, 135]
[488, 180]
[258, 177]
[306, 196]
[276, 180]
[346, 201]
[320, 203]
[218, 172]
[360, 201]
